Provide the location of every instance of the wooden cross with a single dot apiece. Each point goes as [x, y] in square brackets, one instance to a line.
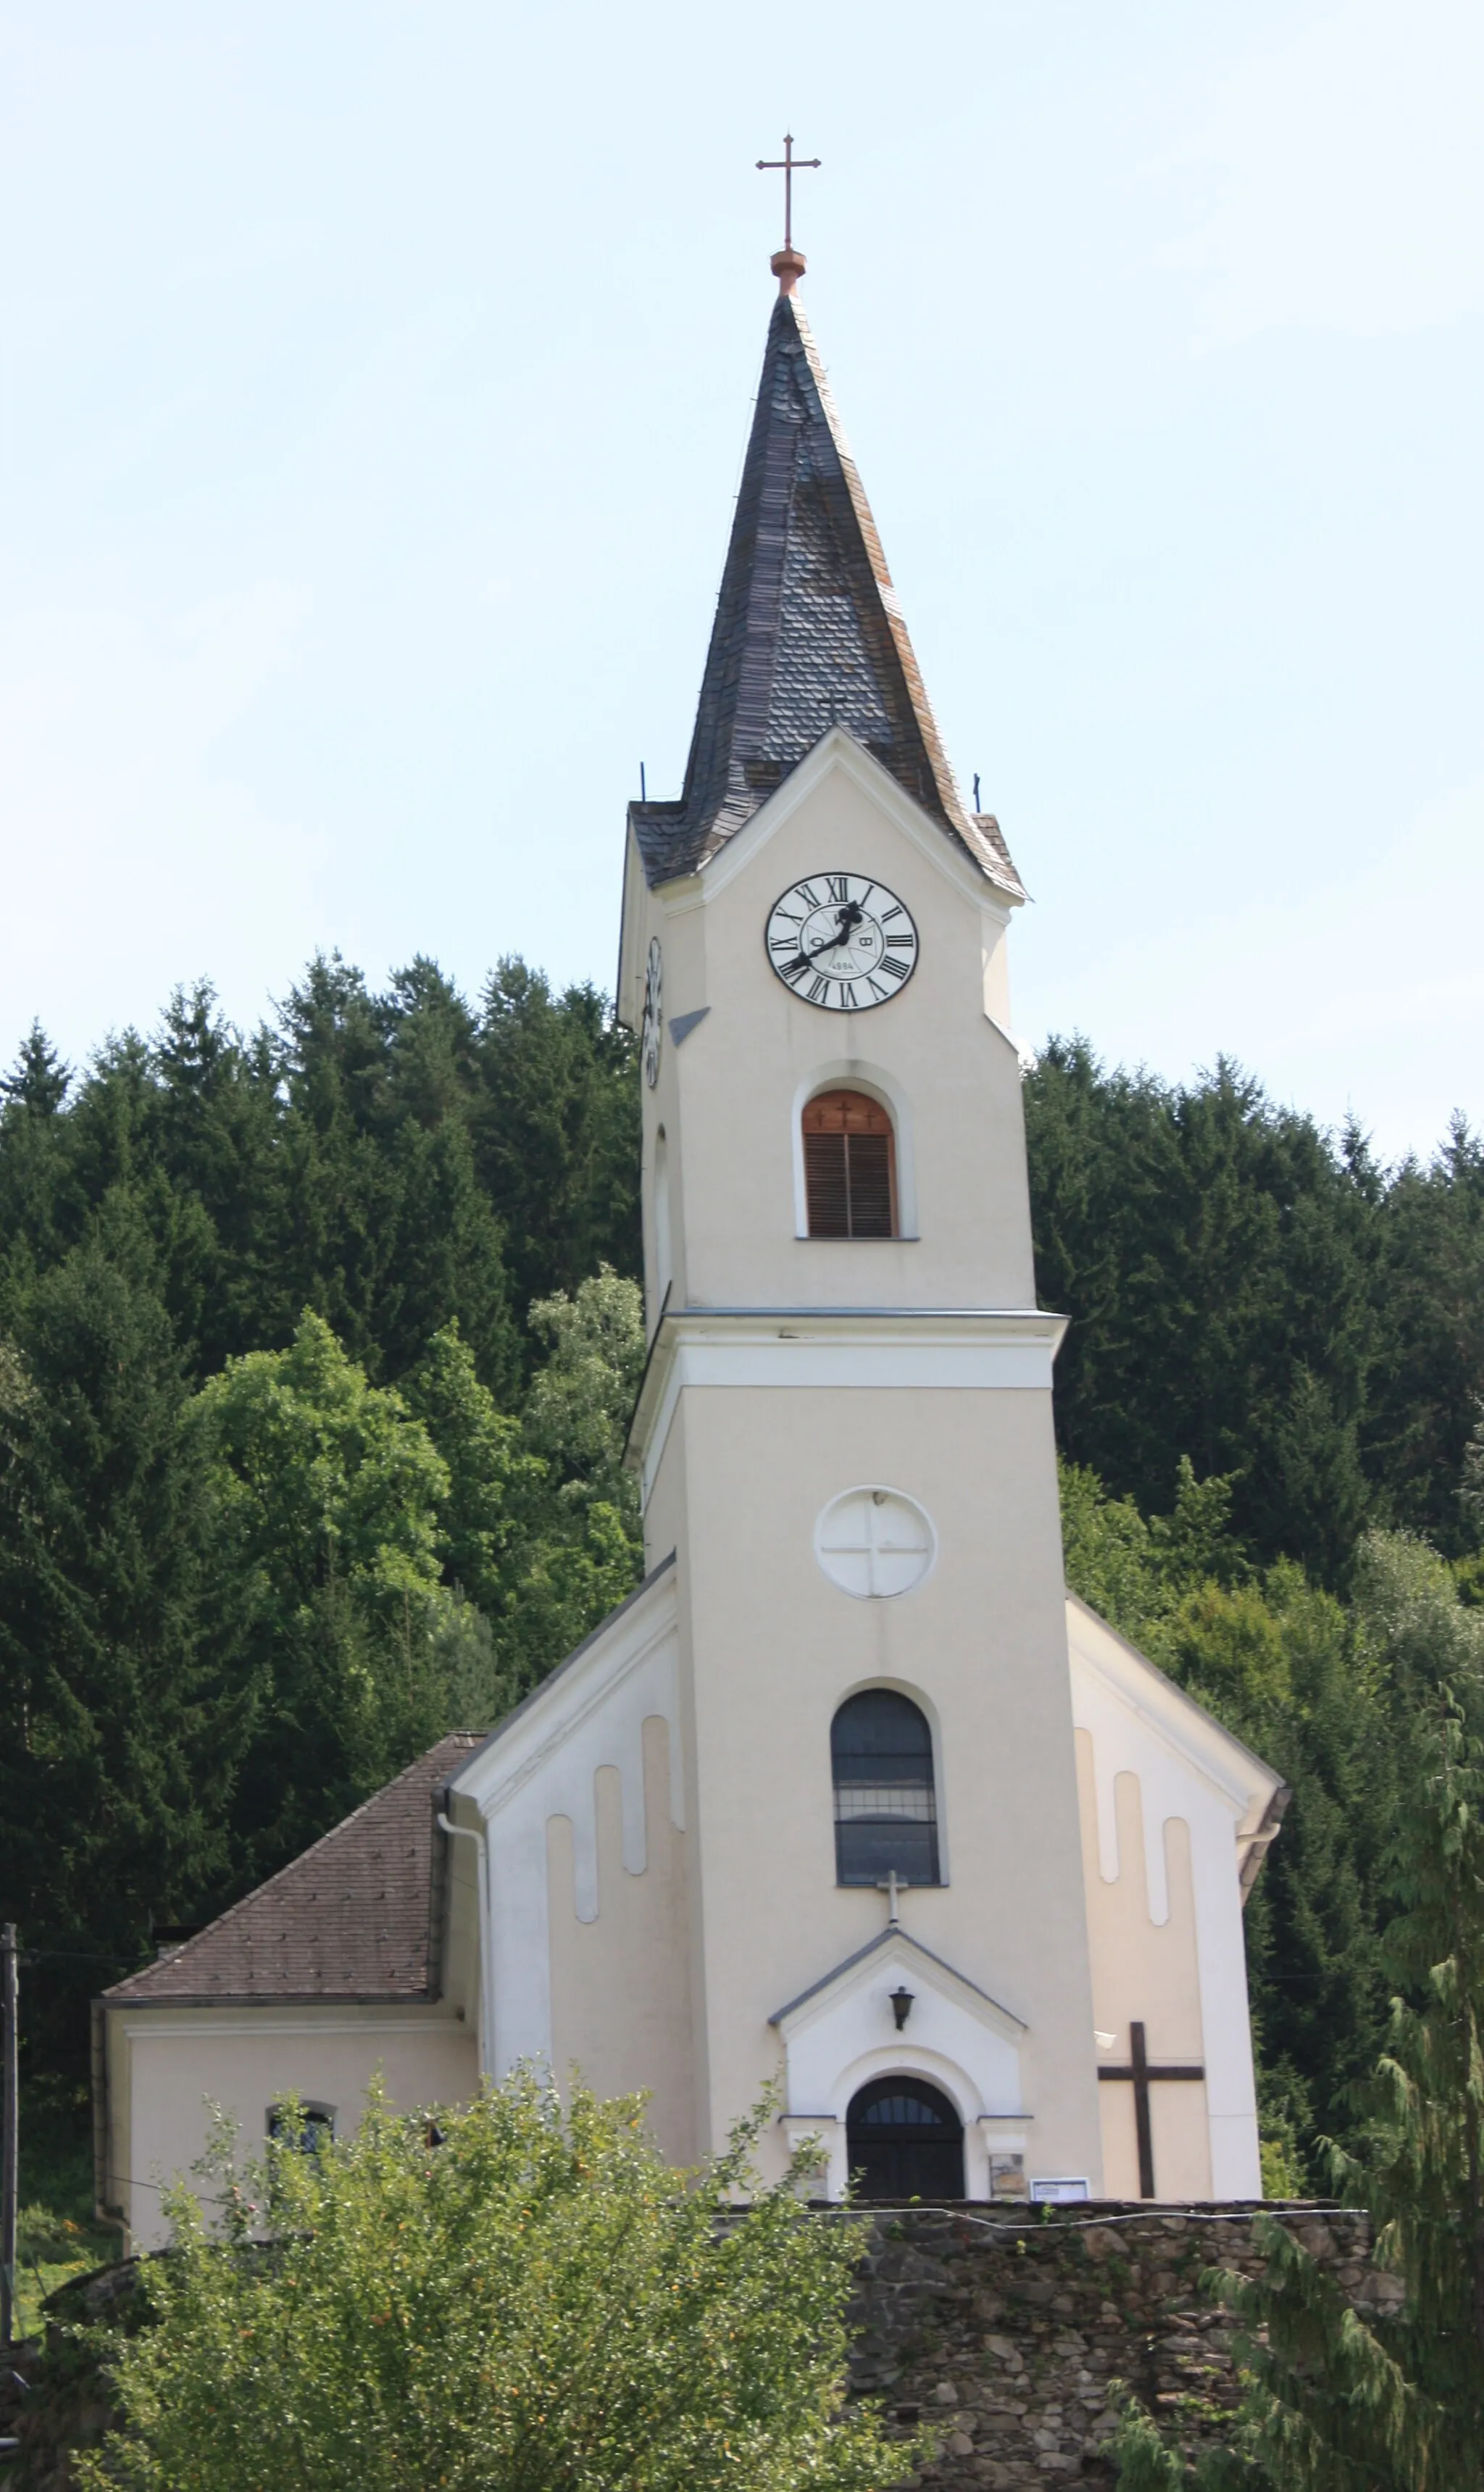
[787, 163]
[1141, 2076]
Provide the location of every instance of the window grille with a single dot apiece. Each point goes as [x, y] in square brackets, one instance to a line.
[905, 2140]
[885, 1805]
[898, 2109]
[849, 1167]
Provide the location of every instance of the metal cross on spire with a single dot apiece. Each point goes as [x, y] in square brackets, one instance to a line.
[787, 163]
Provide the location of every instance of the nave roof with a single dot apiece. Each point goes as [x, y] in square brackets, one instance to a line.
[353, 1918]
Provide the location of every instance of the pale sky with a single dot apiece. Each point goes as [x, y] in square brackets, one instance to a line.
[376, 380]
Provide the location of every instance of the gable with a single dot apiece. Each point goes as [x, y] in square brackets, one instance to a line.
[838, 792]
[1133, 1708]
[894, 1954]
[551, 1717]
[838, 766]
[842, 2031]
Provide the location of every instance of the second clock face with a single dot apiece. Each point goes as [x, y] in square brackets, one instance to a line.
[652, 1024]
[842, 941]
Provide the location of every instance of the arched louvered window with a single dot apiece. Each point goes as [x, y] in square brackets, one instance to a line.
[849, 1167]
[885, 1805]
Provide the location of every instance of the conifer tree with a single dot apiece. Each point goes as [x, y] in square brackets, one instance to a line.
[1389, 2401]
[1249, 1292]
[385, 1225]
[556, 1130]
[41, 1080]
[124, 1709]
[1424, 1392]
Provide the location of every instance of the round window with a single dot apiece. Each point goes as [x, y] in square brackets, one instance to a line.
[875, 1543]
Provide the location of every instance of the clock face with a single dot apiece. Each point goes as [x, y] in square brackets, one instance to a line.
[653, 1021]
[842, 941]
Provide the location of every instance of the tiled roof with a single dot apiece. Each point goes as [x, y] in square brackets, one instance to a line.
[352, 1918]
[808, 635]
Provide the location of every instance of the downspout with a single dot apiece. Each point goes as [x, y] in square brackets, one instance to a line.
[104, 2209]
[472, 1835]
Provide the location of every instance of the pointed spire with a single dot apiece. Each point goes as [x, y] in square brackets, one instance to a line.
[808, 633]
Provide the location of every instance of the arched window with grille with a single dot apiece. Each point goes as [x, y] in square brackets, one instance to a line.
[885, 1803]
[849, 1165]
[905, 2140]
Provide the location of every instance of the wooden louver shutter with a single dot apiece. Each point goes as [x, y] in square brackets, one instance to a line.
[849, 1169]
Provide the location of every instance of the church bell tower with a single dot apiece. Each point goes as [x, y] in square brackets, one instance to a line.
[844, 1435]
[850, 1802]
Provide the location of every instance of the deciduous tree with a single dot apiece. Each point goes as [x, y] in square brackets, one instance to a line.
[327, 1494]
[524, 2298]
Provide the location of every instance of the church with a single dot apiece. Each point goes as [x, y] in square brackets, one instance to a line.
[849, 1797]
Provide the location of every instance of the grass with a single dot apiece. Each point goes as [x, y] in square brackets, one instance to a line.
[56, 2236]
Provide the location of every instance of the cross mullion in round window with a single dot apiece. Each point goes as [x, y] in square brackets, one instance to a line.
[849, 1167]
[885, 1804]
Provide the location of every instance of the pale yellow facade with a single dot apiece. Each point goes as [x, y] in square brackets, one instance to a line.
[1145, 1970]
[169, 2070]
[639, 1879]
[620, 1981]
[729, 1097]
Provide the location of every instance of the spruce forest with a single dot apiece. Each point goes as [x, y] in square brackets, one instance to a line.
[318, 1348]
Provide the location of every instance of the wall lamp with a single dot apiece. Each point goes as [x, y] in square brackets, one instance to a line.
[901, 2004]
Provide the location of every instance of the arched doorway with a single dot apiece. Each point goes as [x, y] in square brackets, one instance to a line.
[904, 2139]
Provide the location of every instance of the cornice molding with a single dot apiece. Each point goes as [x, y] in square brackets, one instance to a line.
[840, 1348]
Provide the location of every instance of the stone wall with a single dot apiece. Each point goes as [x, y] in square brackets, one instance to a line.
[52, 2405]
[1006, 2334]
[1009, 2336]
[53, 2399]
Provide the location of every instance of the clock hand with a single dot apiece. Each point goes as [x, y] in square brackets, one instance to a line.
[846, 923]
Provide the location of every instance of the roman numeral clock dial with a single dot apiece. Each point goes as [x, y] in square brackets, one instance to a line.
[842, 941]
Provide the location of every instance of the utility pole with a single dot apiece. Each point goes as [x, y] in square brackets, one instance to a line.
[10, 2136]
